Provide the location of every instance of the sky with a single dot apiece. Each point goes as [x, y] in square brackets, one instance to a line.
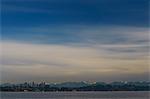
[74, 40]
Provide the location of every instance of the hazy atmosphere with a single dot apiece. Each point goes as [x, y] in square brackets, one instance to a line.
[74, 40]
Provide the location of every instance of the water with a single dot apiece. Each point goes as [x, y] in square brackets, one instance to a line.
[75, 95]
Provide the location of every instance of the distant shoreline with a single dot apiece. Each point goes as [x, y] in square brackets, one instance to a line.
[75, 87]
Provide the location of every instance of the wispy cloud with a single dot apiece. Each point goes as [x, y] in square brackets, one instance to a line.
[79, 33]
[67, 61]
[60, 40]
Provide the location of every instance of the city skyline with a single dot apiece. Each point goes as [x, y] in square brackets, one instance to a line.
[74, 40]
[74, 86]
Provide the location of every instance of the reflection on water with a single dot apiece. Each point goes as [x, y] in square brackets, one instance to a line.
[75, 95]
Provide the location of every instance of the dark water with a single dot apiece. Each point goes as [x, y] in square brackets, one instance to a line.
[75, 95]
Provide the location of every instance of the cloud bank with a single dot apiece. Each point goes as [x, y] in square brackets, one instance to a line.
[75, 53]
[23, 61]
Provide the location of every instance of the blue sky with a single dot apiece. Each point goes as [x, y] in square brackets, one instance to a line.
[25, 14]
[39, 12]
[98, 30]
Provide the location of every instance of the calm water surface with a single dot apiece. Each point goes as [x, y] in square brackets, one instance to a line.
[75, 95]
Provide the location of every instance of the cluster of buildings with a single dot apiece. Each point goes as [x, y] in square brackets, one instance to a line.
[76, 86]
